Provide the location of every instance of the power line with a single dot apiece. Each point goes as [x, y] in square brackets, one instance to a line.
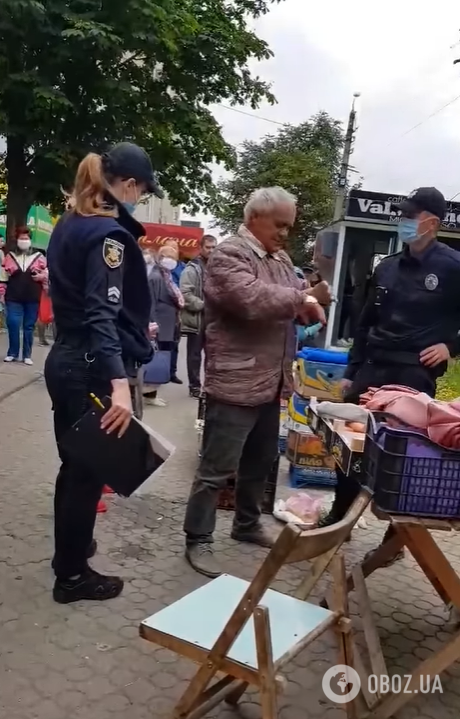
[256, 117]
[422, 122]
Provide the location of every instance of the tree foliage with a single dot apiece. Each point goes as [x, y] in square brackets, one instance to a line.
[77, 75]
[303, 159]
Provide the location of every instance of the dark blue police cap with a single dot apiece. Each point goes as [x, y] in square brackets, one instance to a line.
[128, 160]
[424, 199]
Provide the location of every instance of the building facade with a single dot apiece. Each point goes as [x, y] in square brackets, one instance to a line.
[161, 212]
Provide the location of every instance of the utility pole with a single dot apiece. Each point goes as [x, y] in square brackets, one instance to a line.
[347, 150]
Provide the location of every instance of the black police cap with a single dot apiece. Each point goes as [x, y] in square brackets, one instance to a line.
[129, 160]
[424, 199]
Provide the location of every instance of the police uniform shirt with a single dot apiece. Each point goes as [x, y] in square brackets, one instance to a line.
[413, 303]
[99, 288]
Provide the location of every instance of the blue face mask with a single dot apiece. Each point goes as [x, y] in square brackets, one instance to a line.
[408, 230]
[129, 207]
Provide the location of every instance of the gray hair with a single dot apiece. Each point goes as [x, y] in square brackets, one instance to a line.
[266, 198]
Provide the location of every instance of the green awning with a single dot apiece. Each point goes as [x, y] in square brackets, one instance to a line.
[39, 222]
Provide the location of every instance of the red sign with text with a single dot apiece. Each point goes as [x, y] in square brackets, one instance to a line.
[188, 238]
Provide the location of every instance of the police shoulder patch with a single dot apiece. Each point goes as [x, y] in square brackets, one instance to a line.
[113, 253]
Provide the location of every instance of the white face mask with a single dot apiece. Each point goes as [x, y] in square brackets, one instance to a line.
[24, 245]
[168, 263]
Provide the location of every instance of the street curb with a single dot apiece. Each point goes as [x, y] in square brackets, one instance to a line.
[19, 388]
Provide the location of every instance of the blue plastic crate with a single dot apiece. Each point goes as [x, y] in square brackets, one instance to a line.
[282, 444]
[311, 477]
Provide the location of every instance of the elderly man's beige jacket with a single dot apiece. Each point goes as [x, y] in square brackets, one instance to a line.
[251, 301]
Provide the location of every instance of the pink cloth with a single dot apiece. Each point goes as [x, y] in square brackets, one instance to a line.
[440, 421]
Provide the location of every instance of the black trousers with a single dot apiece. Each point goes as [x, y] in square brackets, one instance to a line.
[373, 374]
[237, 441]
[195, 347]
[175, 351]
[70, 379]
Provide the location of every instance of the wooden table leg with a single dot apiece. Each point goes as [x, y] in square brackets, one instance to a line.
[432, 561]
[431, 667]
[378, 558]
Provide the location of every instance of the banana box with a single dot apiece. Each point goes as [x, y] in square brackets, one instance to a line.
[305, 449]
[298, 408]
[318, 379]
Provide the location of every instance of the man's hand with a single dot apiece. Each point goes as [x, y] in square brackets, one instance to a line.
[311, 311]
[322, 293]
[434, 355]
[345, 385]
[153, 330]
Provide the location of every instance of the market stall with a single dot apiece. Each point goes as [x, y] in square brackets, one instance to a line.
[416, 488]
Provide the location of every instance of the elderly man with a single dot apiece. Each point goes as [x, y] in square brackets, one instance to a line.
[252, 298]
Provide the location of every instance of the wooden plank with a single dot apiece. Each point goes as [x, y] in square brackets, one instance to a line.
[198, 654]
[268, 698]
[431, 667]
[432, 562]
[376, 658]
[370, 699]
[378, 558]
[339, 600]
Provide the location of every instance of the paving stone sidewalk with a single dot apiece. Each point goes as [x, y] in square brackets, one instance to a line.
[16, 375]
[86, 661]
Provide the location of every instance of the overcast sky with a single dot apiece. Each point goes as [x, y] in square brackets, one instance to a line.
[397, 54]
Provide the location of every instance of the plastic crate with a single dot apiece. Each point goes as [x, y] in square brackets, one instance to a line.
[311, 477]
[282, 444]
[226, 497]
[411, 475]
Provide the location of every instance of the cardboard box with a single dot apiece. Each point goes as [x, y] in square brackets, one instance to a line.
[319, 379]
[347, 449]
[305, 449]
[298, 408]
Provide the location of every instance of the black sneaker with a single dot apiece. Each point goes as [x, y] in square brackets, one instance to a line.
[176, 380]
[195, 392]
[92, 549]
[91, 586]
[201, 558]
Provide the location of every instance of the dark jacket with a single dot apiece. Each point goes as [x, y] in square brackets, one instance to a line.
[164, 310]
[99, 289]
[412, 304]
[191, 285]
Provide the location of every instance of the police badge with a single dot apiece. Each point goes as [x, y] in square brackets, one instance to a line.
[431, 282]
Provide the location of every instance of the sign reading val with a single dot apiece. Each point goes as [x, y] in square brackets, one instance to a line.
[377, 207]
[188, 238]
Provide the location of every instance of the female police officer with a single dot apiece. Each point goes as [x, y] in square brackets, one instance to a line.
[101, 305]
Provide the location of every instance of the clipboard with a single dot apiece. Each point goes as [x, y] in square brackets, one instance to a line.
[124, 463]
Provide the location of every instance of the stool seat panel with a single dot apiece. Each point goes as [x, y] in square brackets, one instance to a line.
[199, 618]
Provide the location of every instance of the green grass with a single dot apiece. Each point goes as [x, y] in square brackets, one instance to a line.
[449, 385]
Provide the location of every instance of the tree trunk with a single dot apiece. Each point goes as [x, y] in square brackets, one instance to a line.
[18, 199]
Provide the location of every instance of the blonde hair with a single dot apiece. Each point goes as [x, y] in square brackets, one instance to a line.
[88, 197]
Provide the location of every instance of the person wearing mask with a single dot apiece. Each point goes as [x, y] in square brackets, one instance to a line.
[176, 275]
[25, 274]
[166, 303]
[101, 303]
[408, 328]
[253, 298]
[192, 316]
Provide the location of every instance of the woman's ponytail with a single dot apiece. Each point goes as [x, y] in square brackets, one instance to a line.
[89, 196]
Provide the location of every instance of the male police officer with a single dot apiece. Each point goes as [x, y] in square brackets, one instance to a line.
[408, 329]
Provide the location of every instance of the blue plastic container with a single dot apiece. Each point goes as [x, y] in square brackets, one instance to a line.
[311, 477]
